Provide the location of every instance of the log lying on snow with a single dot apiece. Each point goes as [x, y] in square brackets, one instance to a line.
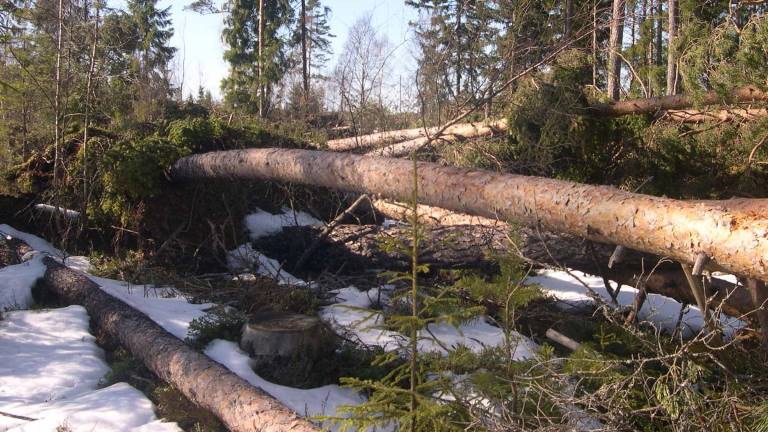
[736, 241]
[465, 130]
[677, 102]
[239, 405]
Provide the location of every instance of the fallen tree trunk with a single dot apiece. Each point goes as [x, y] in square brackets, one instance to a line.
[736, 241]
[239, 405]
[353, 249]
[677, 102]
[454, 133]
[465, 130]
[726, 115]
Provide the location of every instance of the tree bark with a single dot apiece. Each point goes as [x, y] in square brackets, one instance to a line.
[678, 102]
[466, 130]
[454, 133]
[736, 241]
[726, 115]
[672, 12]
[238, 404]
[614, 47]
[568, 28]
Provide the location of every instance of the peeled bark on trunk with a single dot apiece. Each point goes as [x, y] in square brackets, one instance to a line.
[238, 404]
[467, 130]
[454, 133]
[736, 242]
[677, 102]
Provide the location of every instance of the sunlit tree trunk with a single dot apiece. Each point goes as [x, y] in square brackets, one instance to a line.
[614, 47]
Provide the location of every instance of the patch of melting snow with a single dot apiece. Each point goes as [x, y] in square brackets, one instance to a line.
[163, 305]
[50, 370]
[659, 310]
[16, 283]
[262, 223]
[245, 258]
[352, 315]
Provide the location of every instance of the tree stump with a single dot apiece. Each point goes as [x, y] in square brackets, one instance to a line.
[272, 336]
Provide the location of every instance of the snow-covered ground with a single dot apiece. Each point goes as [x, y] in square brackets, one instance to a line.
[572, 289]
[352, 314]
[50, 373]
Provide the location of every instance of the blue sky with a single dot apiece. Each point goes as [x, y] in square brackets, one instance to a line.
[198, 38]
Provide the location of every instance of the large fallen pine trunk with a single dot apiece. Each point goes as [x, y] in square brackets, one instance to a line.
[239, 405]
[352, 249]
[677, 102]
[464, 130]
[735, 241]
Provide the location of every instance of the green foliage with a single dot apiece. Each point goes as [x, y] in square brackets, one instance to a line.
[136, 171]
[197, 134]
[220, 323]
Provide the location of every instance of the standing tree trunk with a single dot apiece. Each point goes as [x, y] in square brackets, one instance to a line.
[304, 53]
[86, 119]
[568, 19]
[457, 37]
[672, 12]
[659, 31]
[733, 239]
[261, 59]
[57, 97]
[614, 47]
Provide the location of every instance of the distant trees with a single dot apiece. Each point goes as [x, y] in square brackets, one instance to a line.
[360, 72]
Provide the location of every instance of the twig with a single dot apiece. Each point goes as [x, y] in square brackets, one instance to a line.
[19, 417]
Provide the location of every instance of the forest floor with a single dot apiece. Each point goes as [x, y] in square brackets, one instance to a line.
[53, 373]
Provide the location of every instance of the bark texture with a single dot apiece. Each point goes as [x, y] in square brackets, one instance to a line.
[726, 115]
[614, 49]
[456, 133]
[239, 405]
[677, 102]
[467, 130]
[736, 241]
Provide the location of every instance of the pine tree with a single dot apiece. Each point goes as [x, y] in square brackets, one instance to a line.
[248, 82]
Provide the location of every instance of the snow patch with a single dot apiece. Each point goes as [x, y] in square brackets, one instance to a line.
[16, 283]
[246, 258]
[33, 241]
[163, 305]
[262, 223]
[659, 310]
[351, 315]
[50, 368]
[117, 408]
